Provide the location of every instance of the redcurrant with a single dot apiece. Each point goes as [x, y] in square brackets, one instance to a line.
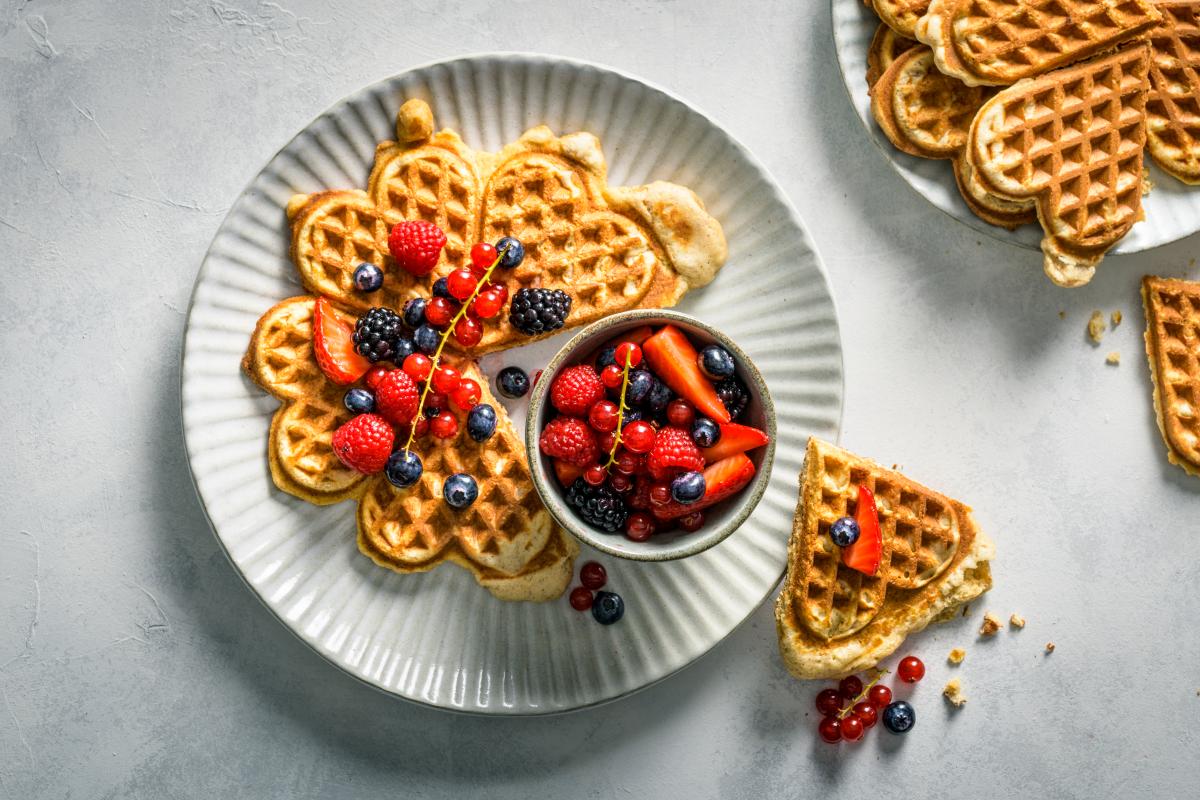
[445, 380]
[692, 522]
[910, 669]
[660, 494]
[420, 427]
[850, 687]
[468, 331]
[607, 441]
[374, 375]
[867, 713]
[602, 416]
[482, 255]
[461, 283]
[829, 701]
[880, 696]
[595, 475]
[435, 404]
[830, 730]
[639, 527]
[444, 425]
[593, 575]
[681, 414]
[581, 598]
[628, 353]
[439, 311]
[627, 463]
[852, 728]
[499, 289]
[611, 376]
[418, 366]
[487, 304]
[620, 482]
[638, 436]
[466, 394]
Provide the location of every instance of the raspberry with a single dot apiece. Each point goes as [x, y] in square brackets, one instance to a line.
[569, 439]
[416, 245]
[364, 443]
[576, 389]
[674, 451]
[396, 397]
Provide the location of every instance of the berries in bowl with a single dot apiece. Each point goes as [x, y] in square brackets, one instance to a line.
[650, 436]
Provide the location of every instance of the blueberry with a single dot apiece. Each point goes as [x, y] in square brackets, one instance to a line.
[608, 607]
[632, 415]
[426, 339]
[368, 277]
[899, 717]
[403, 468]
[705, 432]
[460, 490]
[607, 357]
[481, 422]
[512, 382]
[514, 252]
[441, 289]
[640, 384]
[688, 487]
[844, 532]
[414, 312]
[359, 401]
[716, 363]
[659, 396]
[403, 349]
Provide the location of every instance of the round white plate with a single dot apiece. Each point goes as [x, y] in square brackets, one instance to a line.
[1172, 208]
[438, 638]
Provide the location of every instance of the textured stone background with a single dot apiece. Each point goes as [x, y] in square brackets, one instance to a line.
[134, 663]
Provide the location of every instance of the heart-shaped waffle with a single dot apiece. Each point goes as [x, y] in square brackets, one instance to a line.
[1173, 110]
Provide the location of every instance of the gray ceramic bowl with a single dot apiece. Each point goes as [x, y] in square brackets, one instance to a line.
[722, 519]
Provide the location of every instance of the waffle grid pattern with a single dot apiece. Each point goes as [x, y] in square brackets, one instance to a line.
[900, 15]
[1175, 328]
[1173, 108]
[934, 111]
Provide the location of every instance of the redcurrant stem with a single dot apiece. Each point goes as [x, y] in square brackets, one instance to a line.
[879, 673]
[437, 354]
[621, 409]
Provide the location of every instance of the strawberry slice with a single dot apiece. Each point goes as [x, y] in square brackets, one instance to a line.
[734, 439]
[722, 480]
[864, 555]
[673, 359]
[333, 346]
[566, 473]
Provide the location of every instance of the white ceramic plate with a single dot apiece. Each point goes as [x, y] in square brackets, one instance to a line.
[438, 638]
[1172, 208]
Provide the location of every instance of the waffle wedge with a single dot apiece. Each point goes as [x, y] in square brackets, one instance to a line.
[1172, 309]
[900, 15]
[832, 620]
[1000, 42]
[1072, 140]
[506, 539]
[886, 46]
[611, 248]
[1173, 108]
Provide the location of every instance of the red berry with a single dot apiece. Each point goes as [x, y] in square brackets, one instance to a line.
[576, 389]
[910, 669]
[628, 353]
[487, 304]
[418, 366]
[436, 403]
[852, 728]
[638, 436]
[498, 289]
[611, 376]
[593, 575]
[692, 521]
[444, 425]
[603, 416]
[595, 475]
[620, 482]
[627, 463]
[639, 527]
[581, 598]
[680, 413]
[461, 283]
[364, 443]
[674, 452]
[830, 730]
[439, 311]
[482, 255]
[537, 376]
[850, 687]
[607, 441]
[880, 696]
[371, 379]
[829, 701]
[397, 398]
[467, 395]
[416, 245]
[867, 713]
[333, 346]
[569, 439]
[446, 379]
[640, 499]
[468, 331]
[420, 427]
[660, 494]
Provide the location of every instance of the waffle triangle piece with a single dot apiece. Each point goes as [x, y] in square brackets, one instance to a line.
[1072, 140]
[1173, 346]
[832, 620]
[1173, 109]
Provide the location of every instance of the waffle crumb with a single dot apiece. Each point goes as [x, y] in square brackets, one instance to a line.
[991, 624]
[1096, 326]
[1062, 314]
[1049, 647]
[956, 655]
[1116, 318]
[1113, 359]
[954, 694]
[1017, 621]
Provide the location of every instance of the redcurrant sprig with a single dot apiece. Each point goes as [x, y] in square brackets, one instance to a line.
[621, 409]
[862, 696]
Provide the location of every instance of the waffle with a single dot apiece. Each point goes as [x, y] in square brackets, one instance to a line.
[1173, 347]
[1000, 42]
[832, 620]
[611, 249]
[506, 539]
[886, 46]
[1173, 108]
[900, 15]
[1072, 140]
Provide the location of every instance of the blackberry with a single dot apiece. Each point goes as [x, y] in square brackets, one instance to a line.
[534, 311]
[599, 506]
[376, 334]
[734, 395]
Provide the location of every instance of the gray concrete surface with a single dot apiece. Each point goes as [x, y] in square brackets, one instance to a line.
[135, 664]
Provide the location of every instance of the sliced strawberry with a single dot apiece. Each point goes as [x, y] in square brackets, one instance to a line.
[333, 346]
[734, 439]
[864, 555]
[566, 473]
[722, 480]
[673, 359]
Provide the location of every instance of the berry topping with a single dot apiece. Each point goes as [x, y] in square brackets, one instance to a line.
[673, 451]
[830, 730]
[852, 728]
[513, 252]
[403, 349]
[680, 414]
[734, 396]
[445, 380]
[867, 714]
[612, 377]
[416, 245]
[439, 312]
[435, 404]
[397, 397]
[850, 687]
[468, 331]
[660, 494]
[716, 363]
[569, 439]
[911, 669]
[899, 717]
[829, 701]
[418, 366]
[537, 311]
[607, 441]
[673, 359]
[734, 438]
[692, 521]
[440, 290]
[368, 277]
[487, 304]
[879, 696]
[844, 531]
[460, 490]
[576, 389]
[376, 334]
[627, 463]
[640, 384]
[595, 475]
[333, 346]
[688, 487]
[481, 422]
[512, 382]
[466, 395]
[627, 353]
[374, 375]
[706, 433]
[581, 598]
[639, 527]
[593, 575]
[444, 425]
[608, 608]
[482, 255]
[403, 468]
[414, 312]
[723, 479]
[638, 437]
[364, 443]
[598, 506]
[620, 482]
[566, 473]
[461, 283]
[426, 339]
[864, 554]
[602, 416]
[359, 401]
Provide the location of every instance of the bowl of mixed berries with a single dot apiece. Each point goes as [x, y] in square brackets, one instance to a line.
[650, 436]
